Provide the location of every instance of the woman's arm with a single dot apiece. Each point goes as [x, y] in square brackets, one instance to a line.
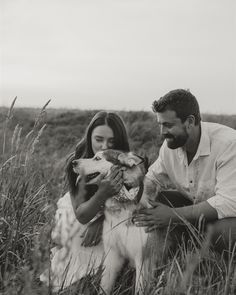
[85, 210]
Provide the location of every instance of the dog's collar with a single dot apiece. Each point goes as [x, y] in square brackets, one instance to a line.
[124, 200]
[131, 196]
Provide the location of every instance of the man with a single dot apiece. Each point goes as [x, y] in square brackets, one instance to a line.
[198, 159]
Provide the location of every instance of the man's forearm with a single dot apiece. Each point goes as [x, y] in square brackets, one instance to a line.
[194, 212]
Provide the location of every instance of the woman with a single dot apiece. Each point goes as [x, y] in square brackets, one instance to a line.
[79, 217]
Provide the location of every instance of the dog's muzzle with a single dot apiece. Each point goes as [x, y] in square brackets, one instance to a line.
[91, 176]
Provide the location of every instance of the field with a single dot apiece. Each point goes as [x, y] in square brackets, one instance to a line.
[34, 146]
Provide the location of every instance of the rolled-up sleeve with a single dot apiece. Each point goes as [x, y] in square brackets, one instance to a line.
[224, 200]
[157, 171]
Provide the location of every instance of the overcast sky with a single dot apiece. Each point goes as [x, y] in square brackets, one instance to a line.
[118, 54]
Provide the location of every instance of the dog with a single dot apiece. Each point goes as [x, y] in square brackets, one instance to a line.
[121, 238]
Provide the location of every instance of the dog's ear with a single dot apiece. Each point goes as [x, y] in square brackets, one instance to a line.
[112, 156]
[130, 159]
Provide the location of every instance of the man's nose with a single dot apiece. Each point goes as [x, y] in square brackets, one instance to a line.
[163, 130]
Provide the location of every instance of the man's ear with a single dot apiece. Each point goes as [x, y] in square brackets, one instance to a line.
[190, 121]
[129, 159]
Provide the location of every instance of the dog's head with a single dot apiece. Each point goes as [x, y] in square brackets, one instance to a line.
[133, 167]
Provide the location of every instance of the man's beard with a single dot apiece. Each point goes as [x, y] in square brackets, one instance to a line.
[174, 142]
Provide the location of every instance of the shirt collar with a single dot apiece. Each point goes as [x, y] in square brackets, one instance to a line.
[204, 147]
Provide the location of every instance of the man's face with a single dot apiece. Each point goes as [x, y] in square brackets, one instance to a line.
[172, 129]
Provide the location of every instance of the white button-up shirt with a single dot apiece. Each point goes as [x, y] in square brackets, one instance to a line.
[211, 176]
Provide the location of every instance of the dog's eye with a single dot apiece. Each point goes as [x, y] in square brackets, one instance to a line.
[97, 158]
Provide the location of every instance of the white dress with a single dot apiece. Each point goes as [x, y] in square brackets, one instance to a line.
[69, 260]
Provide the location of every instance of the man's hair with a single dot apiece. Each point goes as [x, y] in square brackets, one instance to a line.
[182, 101]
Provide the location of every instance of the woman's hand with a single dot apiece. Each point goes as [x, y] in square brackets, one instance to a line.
[93, 233]
[111, 185]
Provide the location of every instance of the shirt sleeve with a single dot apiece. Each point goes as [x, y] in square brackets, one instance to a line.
[224, 200]
[157, 171]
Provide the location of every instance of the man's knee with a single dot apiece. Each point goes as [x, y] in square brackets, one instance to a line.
[223, 234]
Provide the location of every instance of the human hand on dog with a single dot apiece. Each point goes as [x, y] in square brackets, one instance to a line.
[153, 218]
[111, 185]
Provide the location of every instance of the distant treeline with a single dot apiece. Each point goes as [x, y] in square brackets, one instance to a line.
[64, 128]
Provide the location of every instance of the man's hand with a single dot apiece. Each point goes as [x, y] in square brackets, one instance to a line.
[152, 218]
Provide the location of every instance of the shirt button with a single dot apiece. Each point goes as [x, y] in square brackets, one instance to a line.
[191, 181]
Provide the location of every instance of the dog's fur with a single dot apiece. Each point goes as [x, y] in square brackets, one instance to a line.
[121, 238]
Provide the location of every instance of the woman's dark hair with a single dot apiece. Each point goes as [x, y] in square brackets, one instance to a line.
[183, 102]
[84, 147]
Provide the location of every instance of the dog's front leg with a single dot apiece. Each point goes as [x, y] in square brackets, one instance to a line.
[112, 265]
[141, 275]
[145, 266]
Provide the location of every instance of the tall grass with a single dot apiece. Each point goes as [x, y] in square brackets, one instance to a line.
[31, 180]
[24, 208]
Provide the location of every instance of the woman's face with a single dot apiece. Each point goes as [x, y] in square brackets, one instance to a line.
[102, 138]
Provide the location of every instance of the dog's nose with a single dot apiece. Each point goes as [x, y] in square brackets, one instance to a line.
[74, 163]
